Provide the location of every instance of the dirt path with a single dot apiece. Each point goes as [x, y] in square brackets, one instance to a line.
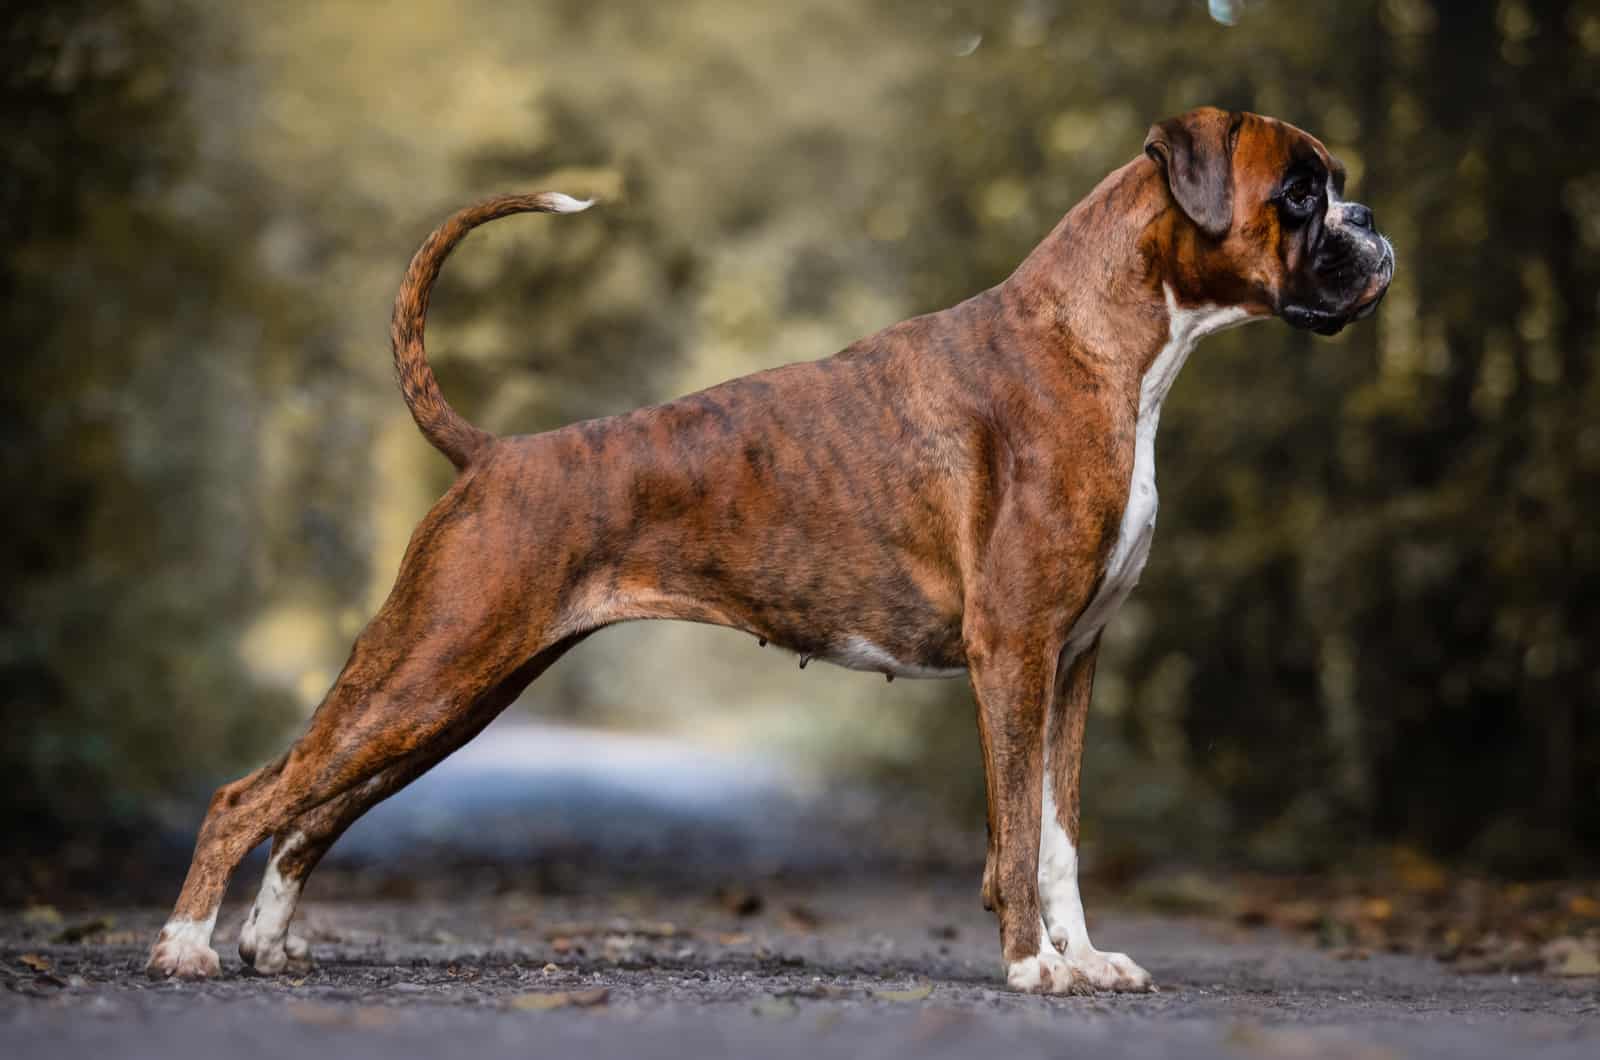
[871, 970]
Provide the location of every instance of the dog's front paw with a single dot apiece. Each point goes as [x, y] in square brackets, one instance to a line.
[1109, 972]
[176, 957]
[1046, 974]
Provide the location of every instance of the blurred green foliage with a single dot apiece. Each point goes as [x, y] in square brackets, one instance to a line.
[125, 584]
[1370, 610]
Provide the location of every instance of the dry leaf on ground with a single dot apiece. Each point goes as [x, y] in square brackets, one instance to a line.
[41, 916]
[1572, 957]
[543, 1001]
[775, 1007]
[79, 932]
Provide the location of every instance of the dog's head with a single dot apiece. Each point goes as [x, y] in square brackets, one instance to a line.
[1268, 227]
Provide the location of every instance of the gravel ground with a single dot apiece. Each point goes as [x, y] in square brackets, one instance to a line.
[864, 969]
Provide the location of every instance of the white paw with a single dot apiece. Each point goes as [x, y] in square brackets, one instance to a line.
[1108, 971]
[1045, 974]
[271, 956]
[182, 958]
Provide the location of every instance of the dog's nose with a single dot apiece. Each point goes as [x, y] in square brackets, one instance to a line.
[1357, 215]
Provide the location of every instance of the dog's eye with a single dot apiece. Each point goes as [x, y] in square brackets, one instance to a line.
[1300, 194]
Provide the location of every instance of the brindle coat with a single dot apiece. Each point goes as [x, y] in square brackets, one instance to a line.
[946, 491]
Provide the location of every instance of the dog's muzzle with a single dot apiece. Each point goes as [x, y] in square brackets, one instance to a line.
[1350, 275]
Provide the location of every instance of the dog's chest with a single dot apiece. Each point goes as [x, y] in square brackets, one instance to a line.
[1131, 549]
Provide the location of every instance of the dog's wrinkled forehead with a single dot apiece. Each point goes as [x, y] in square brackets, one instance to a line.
[1267, 149]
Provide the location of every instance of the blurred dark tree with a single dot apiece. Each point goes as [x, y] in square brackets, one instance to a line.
[1371, 610]
[123, 589]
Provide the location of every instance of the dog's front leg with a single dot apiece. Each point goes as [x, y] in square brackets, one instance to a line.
[1014, 680]
[1058, 840]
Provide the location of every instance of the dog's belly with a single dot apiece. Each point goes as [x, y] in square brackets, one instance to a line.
[861, 630]
[856, 652]
[915, 645]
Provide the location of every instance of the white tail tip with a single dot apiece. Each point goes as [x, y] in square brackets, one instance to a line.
[567, 204]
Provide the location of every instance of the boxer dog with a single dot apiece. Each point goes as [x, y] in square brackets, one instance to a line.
[971, 491]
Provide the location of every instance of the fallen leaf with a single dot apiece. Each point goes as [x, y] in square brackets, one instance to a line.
[827, 991]
[315, 1013]
[543, 1001]
[1297, 916]
[1417, 872]
[659, 929]
[1377, 909]
[775, 1007]
[590, 998]
[1581, 963]
[734, 938]
[78, 932]
[1571, 957]
[41, 916]
[36, 962]
[800, 919]
[915, 993]
[1584, 906]
[740, 901]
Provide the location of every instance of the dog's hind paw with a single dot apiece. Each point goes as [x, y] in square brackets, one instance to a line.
[177, 956]
[269, 959]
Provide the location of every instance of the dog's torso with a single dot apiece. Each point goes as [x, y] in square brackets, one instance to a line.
[846, 508]
[839, 508]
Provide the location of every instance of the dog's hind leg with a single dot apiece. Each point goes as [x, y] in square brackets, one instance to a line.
[385, 709]
[265, 941]
[428, 670]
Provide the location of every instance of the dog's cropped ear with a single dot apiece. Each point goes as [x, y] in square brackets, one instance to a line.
[1195, 151]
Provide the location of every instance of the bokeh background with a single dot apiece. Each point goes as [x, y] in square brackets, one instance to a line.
[1370, 617]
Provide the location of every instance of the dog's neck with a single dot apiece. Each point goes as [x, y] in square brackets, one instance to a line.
[1097, 290]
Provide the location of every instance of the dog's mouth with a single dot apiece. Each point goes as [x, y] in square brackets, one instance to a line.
[1332, 321]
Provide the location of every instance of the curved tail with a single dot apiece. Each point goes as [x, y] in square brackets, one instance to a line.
[440, 424]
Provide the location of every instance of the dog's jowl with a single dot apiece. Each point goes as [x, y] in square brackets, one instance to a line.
[969, 491]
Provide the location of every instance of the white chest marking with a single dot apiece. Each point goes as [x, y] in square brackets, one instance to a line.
[1186, 327]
